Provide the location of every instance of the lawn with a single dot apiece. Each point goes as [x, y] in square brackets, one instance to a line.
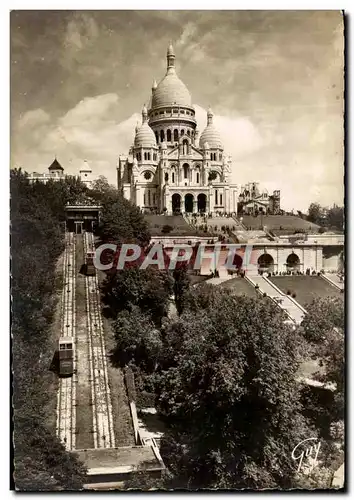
[239, 286]
[306, 288]
[281, 223]
[177, 222]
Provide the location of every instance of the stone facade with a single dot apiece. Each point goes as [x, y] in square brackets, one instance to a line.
[168, 169]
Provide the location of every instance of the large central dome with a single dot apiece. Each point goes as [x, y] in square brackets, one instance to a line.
[171, 90]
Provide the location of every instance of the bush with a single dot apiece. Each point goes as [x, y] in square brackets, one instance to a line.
[145, 399]
[264, 295]
[167, 228]
[288, 292]
[293, 295]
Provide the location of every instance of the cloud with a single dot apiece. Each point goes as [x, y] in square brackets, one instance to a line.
[90, 131]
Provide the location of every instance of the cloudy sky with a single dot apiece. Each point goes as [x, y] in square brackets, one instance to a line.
[274, 80]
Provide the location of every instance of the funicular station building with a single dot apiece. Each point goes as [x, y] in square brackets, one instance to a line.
[82, 216]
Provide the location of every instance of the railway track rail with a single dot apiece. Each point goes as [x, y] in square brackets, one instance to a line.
[103, 431]
[66, 409]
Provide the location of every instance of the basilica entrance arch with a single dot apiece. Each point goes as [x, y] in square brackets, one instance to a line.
[266, 263]
[176, 203]
[293, 262]
[188, 203]
[202, 199]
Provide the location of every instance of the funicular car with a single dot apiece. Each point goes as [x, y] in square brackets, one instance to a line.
[90, 267]
[66, 356]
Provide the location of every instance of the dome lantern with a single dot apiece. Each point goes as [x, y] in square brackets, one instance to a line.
[210, 115]
[170, 58]
[171, 90]
[144, 114]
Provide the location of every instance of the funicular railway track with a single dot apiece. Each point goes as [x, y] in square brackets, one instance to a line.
[103, 431]
[66, 410]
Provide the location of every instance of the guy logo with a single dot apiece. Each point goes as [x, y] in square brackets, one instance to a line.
[308, 448]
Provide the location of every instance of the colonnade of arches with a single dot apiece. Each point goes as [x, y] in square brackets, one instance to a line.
[172, 135]
[266, 262]
[189, 203]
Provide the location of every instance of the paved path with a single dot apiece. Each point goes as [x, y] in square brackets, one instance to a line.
[338, 478]
[334, 280]
[295, 311]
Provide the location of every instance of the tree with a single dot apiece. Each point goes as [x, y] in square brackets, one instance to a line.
[122, 222]
[229, 392]
[323, 328]
[37, 210]
[149, 289]
[315, 213]
[101, 189]
[137, 339]
[335, 217]
[181, 287]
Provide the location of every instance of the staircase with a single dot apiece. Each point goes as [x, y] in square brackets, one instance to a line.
[288, 304]
[334, 280]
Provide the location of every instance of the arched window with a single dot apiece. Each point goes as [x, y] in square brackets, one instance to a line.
[166, 177]
[188, 132]
[173, 177]
[145, 156]
[154, 198]
[148, 156]
[144, 198]
[185, 147]
[182, 132]
[175, 135]
[157, 136]
[185, 170]
[169, 136]
[220, 156]
[216, 196]
[197, 177]
[162, 135]
[220, 199]
[149, 197]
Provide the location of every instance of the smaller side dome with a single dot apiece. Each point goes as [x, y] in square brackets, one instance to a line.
[206, 145]
[145, 137]
[210, 133]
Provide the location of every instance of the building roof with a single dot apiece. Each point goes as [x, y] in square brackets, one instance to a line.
[210, 134]
[171, 90]
[55, 166]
